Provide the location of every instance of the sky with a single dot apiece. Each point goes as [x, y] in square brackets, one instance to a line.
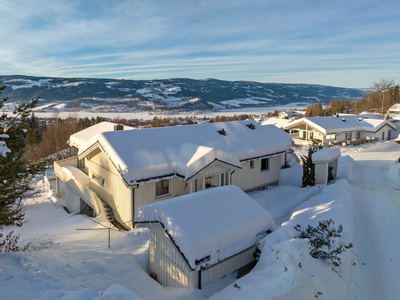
[338, 43]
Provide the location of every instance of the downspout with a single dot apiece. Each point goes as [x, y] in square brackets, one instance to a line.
[199, 286]
[134, 187]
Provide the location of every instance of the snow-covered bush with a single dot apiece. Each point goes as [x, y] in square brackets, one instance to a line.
[324, 240]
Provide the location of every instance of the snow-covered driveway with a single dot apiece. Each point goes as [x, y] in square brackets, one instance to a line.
[376, 193]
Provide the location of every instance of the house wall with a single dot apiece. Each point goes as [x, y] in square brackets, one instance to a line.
[170, 269]
[146, 193]
[166, 263]
[321, 173]
[248, 179]
[73, 203]
[113, 191]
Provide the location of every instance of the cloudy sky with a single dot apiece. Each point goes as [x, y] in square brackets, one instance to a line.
[339, 43]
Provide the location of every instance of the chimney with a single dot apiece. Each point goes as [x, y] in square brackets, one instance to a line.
[118, 127]
[222, 131]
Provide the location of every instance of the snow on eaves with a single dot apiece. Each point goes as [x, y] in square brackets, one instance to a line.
[148, 154]
[211, 225]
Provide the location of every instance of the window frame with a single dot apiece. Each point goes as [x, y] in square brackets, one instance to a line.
[263, 167]
[252, 164]
[159, 190]
[349, 134]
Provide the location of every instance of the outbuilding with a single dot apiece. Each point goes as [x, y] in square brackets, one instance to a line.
[326, 165]
[200, 237]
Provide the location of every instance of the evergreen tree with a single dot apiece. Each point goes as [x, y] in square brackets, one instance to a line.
[15, 170]
[308, 178]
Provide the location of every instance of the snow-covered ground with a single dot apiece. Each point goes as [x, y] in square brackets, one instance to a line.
[66, 263]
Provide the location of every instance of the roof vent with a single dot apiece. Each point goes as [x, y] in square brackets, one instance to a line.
[251, 126]
[118, 127]
[222, 132]
[344, 120]
[359, 119]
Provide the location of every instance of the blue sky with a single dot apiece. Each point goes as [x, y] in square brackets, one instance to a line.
[338, 43]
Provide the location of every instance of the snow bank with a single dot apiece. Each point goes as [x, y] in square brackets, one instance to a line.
[286, 270]
[217, 222]
[115, 292]
[345, 167]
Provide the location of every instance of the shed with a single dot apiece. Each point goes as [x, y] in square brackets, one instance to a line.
[326, 165]
[200, 237]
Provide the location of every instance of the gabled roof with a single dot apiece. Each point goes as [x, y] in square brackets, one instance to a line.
[209, 226]
[80, 138]
[148, 154]
[334, 125]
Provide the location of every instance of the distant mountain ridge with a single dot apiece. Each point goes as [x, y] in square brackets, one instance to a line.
[178, 94]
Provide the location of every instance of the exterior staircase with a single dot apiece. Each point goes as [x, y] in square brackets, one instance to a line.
[110, 216]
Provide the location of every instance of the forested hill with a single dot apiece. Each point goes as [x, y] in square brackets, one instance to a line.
[167, 94]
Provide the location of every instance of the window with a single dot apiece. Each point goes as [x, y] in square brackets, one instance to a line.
[252, 164]
[224, 179]
[357, 134]
[383, 135]
[264, 164]
[348, 135]
[389, 135]
[304, 134]
[162, 187]
[96, 178]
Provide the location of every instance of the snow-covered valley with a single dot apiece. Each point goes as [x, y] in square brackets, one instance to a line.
[66, 262]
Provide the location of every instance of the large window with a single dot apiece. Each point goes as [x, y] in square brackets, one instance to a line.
[162, 187]
[264, 164]
[348, 135]
[357, 134]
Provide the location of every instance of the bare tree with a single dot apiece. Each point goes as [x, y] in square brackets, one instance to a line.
[381, 88]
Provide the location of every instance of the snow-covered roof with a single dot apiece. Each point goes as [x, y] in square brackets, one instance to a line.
[148, 154]
[80, 138]
[325, 155]
[395, 107]
[334, 125]
[211, 225]
[278, 122]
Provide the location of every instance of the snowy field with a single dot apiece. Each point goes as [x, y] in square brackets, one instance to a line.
[66, 263]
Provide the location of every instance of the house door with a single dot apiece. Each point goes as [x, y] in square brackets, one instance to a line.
[389, 134]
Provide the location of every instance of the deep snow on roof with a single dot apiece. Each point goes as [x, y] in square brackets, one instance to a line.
[278, 122]
[217, 222]
[325, 155]
[344, 123]
[80, 138]
[152, 153]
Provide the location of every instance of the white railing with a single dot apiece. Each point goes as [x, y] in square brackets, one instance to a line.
[59, 172]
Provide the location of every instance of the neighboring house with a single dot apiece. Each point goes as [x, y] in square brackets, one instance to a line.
[200, 237]
[289, 114]
[341, 128]
[278, 122]
[130, 168]
[395, 108]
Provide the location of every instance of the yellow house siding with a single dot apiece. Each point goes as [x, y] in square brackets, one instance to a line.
[248, 178]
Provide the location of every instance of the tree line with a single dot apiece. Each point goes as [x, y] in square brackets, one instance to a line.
[383, 95]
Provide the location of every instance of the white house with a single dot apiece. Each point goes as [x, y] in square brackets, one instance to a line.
[125, 169]
[200, 237]
[341, 128]
[395, 108]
